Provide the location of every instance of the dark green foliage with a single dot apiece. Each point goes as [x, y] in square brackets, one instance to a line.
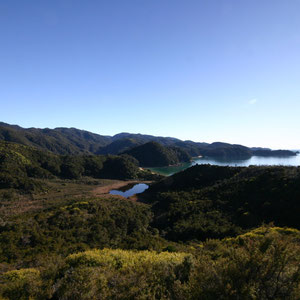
[67, 141]
[119, 146]
[209, 201]
[93, 165]
[196, 177]
[58, 140]
[262, 264]
[72, 167]
[19, 164]
[120, 167]
[229, 151]
[226, 151]
[82, 225]
[198, 204]
[153, 154]
[278, 153]
[182, 155]
[145, 138]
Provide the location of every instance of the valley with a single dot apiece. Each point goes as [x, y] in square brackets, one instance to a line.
[188, 235]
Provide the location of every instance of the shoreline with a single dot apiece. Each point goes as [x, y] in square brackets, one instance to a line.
[104, 190]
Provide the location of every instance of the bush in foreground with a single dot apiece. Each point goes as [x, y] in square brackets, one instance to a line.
[262, 264]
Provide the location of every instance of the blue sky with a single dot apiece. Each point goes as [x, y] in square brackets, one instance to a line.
[211, 70]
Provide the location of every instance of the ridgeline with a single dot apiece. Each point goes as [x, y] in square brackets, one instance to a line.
[65, 141]
[207, 232]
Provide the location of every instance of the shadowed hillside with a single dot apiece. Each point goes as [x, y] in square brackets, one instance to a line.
[209, 201]
[74, 141]
[20, 165]
[153, 154]
[58, 140]
[200, 229]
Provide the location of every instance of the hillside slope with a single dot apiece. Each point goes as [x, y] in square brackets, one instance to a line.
[58, 140]
[153, 154]
[75, 141]
[20, 164]
[209, 201]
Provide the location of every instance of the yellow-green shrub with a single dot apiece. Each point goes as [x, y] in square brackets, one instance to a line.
[121, 274]
[21, 284]
[261, 264]
[122, 259]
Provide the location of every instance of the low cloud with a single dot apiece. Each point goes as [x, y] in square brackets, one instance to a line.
[253, 101]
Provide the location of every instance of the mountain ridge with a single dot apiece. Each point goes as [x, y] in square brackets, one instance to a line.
[63, 140]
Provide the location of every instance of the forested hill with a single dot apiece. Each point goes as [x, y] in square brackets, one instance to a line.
[210, 201]
[22, 166]
[58, 140]
[75, 141]
[153, 154]
[195, 235]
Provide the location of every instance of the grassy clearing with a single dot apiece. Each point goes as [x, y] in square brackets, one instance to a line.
[55, 192]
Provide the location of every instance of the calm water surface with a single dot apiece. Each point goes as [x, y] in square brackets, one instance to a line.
[136, 189]
[254, 160]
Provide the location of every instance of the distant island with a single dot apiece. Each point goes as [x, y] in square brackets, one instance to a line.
[150, 151]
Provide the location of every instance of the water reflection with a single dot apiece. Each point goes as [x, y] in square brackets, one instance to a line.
[254, 160]
[130, 190]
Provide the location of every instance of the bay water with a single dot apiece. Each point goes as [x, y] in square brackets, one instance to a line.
[254, 160]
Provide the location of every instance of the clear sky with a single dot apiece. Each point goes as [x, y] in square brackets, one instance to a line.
[204, 70]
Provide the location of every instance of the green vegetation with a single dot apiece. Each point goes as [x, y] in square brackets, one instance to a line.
[59, 140]
[195, 235]
[214, 202]
[52, 193]
[262, 264]
[70, 141]
[153, 154]
[278, 153]
[19, 165]
[227, 151]
[119, 146]
[81, 225]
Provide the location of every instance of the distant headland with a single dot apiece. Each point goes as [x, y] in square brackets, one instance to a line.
[149, 150]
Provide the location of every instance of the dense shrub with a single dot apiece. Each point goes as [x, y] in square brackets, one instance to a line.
[153, 154]
[79, 226]
[214, 202]
[262, 264]
[19, 164]
[21, 284]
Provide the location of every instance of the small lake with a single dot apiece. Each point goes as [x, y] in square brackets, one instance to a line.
[130, 190]
[254, 160]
